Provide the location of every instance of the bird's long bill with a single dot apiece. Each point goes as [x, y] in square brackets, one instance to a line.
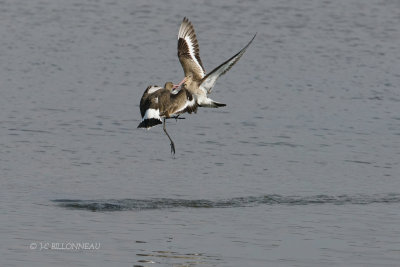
[179, 84]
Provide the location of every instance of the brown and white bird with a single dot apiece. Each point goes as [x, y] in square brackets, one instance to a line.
[197, 81]
[165, 102]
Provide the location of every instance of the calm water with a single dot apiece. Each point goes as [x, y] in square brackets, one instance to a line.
[302, 168]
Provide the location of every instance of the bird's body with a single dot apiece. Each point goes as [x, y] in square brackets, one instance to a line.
[197, 81]
[163, 102]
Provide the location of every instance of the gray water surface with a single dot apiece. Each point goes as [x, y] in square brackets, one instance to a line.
[302, 168]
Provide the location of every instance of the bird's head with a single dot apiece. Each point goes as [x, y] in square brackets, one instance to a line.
[169, 86]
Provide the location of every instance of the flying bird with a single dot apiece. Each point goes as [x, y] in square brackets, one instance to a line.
[197, 81]
[164, 102]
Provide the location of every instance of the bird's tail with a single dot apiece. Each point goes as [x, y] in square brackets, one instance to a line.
[151, 118]
[206, 102]
[148, 123]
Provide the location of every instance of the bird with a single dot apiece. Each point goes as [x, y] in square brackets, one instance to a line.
[160, 103]
[197, 82]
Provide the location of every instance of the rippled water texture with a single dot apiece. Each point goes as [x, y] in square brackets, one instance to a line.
[301, 168]
[167, 203]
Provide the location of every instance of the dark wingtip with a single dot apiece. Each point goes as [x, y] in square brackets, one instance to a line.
[253, 37]
[251, 40]
[147, 123]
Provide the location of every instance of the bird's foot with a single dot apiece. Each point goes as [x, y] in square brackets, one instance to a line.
[172, 148]
[177, 117]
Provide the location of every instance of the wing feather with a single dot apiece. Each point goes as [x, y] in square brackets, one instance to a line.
[209, 80]
[188, 50]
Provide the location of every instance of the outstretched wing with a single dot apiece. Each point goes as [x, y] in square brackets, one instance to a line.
[208, 81]
[189, 52]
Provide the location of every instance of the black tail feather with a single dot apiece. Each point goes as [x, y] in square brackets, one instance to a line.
[217, 104]
[212, 104]
[147, 123]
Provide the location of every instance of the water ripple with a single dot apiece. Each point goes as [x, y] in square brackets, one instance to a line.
[168, 203]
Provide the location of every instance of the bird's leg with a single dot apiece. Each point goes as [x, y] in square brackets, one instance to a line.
[177, 117]
[172, 143]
